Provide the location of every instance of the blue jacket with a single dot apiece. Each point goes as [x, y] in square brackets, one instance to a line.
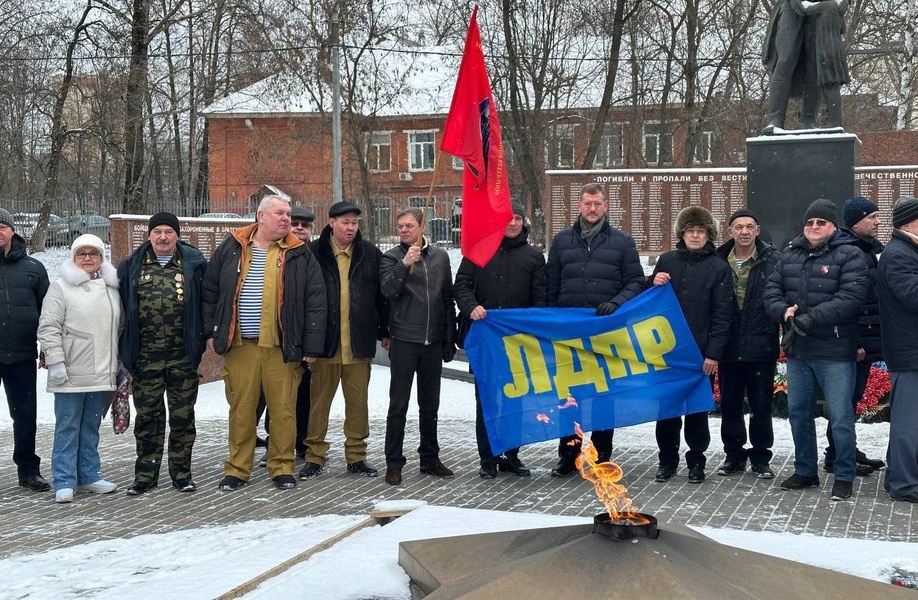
[23, 285]
[897, 285]
[608, 270]
[828, 282]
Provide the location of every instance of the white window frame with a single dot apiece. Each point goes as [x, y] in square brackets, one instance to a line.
[559, 145]
[374, 148]
[417, 149]
[657, 138]
[704, 142]
[606, 148]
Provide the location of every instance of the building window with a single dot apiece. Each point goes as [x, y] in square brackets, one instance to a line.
[658, 143]
[560, 146]
[703, 143]
[421, 150]
[428, 207]
[379, 151]
[382, 213]
[609, 153]
[458, 163]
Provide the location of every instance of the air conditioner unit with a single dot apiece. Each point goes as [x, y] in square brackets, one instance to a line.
[404, 177]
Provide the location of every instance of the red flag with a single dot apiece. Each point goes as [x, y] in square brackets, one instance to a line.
[472, 133]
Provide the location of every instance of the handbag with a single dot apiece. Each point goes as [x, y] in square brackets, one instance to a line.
[120, 404]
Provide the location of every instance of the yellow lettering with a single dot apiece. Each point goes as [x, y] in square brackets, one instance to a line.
[566, 377]
[618, 353]
[655, 338]
[519, 348]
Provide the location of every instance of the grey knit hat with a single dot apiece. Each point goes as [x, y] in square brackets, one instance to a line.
[7, 219]
[905, 211]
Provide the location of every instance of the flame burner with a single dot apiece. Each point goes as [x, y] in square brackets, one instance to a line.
[626, 527]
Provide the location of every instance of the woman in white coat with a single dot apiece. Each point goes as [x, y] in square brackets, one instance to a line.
[78, 331]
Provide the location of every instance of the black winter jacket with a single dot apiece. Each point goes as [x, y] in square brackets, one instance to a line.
[609, 270]
[369, 309]
[828, 282]
[194, 266]
[513, 278]
[421, 304]
[301, 311]
[898, 294]
[704, 286]
[753, 335]
[23, 285]
[868, 321]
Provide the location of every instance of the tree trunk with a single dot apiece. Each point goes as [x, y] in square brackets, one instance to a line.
[58, 137]
[133, 199]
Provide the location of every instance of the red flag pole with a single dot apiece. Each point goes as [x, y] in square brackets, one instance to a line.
[433, 181]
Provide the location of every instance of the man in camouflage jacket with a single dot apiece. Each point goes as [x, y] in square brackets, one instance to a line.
[161, 346]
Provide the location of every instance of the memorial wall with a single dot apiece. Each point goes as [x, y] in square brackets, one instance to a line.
[645, 202]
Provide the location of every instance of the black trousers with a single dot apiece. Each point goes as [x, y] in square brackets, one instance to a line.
[481, 437]
[302, 411]
[754, 381]
[569, 445]
[861, 375]
[19, 383]
[405, 360]
[697, 436]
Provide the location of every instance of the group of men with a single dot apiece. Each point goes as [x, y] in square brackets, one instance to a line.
[279, 307]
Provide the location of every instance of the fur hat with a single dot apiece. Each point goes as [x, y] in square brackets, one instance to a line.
[822, 209]
[87, 240]
[696, 216]
[905, 211]
[856, 209]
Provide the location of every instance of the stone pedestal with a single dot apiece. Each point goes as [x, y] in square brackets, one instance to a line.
[785, 173]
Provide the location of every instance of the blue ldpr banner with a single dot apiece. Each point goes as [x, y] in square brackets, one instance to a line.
[540, 370]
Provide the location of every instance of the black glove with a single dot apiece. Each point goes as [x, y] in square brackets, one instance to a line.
[803, 323]
[789, 339]
[606, 308]
[449, 351]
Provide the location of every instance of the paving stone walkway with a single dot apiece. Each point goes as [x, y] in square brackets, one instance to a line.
[31, 522]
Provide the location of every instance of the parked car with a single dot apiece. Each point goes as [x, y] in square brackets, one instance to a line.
[25, 224]
[63, 230]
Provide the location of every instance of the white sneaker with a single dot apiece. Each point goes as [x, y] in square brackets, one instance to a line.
[99, 487]
[63, 495]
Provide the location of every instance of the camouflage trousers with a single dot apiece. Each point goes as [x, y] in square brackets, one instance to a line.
[175, 379]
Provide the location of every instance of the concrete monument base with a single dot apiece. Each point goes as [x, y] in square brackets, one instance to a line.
[786, 172]
[574, 562]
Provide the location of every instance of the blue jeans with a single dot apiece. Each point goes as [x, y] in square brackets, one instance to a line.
[836, 378]
[75, 458]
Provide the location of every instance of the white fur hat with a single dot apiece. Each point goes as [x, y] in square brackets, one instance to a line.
[87, 240]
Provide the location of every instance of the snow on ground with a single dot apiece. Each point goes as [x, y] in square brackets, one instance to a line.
[214, 560]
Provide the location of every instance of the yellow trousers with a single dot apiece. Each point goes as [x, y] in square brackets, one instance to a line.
[247, 371]
[355, 382]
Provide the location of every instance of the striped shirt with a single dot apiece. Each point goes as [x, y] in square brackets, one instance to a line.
[251, 294]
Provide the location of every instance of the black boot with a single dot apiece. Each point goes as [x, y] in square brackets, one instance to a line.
[809, 108]
[778, 95]
[832, 94]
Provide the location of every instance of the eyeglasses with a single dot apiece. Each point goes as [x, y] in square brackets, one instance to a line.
[301, 224]
[88, 254]
[815, 223]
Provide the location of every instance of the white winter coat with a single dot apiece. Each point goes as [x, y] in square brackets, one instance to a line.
[79, 326]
